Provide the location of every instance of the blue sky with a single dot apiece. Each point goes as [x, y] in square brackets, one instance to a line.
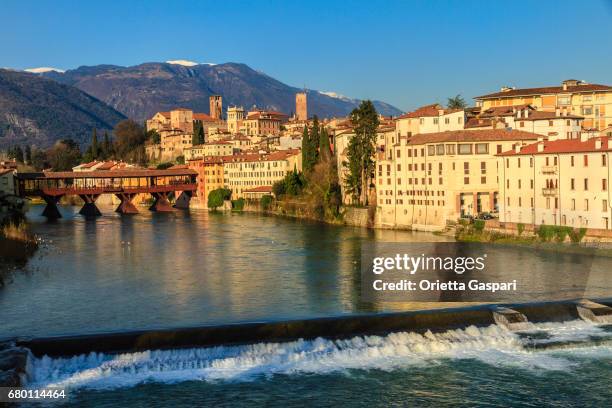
[407, 53]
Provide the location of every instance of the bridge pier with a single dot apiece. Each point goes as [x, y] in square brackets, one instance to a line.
[183, 200]
[89, 208]
[161, 203]
[126, 206]
[51, 210]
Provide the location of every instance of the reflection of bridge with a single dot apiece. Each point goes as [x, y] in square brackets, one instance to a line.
[125, 184]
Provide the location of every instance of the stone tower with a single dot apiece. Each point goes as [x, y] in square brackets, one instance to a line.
[216, 106]
[301, 106]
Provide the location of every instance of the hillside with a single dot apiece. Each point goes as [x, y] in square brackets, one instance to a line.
[140, 91]
[38, 111]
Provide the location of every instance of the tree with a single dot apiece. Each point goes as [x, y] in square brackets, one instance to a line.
[94, 144]
[64, 155]
[217, 197]
[107, 147]
[39, 159]
[315, 134]
[180, 159]
[16, 154]
[129, 141]
[27, 155]
[324, 146]
[306, 145]
[198, 133]
[361, 150]
[456, 102]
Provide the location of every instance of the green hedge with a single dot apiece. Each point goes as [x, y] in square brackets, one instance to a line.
[265, 202]
[238, 205]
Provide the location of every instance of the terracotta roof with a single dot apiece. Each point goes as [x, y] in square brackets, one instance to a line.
[472, 136]
[260, 189]
[203, 117]
[478, 122]
[563, 146]
[547, 90]
[432, 110]
[503, 110]
[543, 115]
[107, 173]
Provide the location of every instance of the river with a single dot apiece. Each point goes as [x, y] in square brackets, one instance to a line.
[182, 269]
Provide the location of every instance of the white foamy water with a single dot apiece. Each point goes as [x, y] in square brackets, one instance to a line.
[492, 345]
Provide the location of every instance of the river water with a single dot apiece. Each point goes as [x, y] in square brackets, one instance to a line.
[192, 268]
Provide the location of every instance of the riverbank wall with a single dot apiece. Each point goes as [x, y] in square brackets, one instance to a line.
[435, 320]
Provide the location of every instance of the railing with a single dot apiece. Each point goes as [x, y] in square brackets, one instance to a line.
[54, 191]
[549, 170]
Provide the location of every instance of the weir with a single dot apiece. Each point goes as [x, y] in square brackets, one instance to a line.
[509, 318]
[331, 328]
[595, 312]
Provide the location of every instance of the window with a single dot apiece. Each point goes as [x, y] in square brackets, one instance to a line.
[572, 184]
[586, 184]
[572, 161]
[522, 124]
[435, 121]
[450, 149]
[550, 123]
[440, 150]
[447, 121]
[587, 110]
[563, 100]
[398, 154]
[459, 120]
[499, 149]
[421, 121]
[604, 184]
[466, 180]
[482, 148]
[586, 160]
[466, 168]
[483, 167]
[604, 205]
[573, 204]
[603, 159]
[586, 205]
[465, 148]
[587, 98]
[431, 150]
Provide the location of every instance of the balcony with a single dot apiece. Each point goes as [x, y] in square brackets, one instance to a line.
[549, 169]
[550, 192]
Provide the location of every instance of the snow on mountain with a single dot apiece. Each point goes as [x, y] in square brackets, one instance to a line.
[41, 70]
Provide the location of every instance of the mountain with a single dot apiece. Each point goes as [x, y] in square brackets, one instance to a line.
[38, 111]
[140, 91]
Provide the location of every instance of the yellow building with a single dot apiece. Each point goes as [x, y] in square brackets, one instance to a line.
[260, 123]
[217, 148]
[592, 101]
[210, 177]
[424, 181]
[561, 182]
[244, 172]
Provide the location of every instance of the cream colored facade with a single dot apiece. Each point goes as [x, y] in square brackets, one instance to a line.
[235, 116]
[592, 101]
[219, 148]
[430, 119]
[261, 123]
[248, 171]
[427, 180]
[563, 182]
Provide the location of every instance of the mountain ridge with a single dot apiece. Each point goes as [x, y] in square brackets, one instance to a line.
[35, 110]
[139, 91]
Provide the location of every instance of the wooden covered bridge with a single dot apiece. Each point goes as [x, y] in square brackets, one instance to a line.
[125, 184]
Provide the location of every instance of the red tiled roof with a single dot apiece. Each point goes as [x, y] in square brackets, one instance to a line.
[472, 136]
[203, 117]
[260, 189]
[543, 115]
[428, 111]
[108, 173]
[563, 146]
[547, 90]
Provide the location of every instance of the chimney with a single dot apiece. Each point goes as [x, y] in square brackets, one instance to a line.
[517, 148]
[557, 112]
[540, 147]
[584, 136]
[598, 144]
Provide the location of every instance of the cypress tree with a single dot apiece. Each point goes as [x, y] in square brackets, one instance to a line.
[314, 141]
[306, 150]
[324, 147]
[94, 144]
[28, 154]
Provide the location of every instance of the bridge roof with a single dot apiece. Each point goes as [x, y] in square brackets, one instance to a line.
[106, 174]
